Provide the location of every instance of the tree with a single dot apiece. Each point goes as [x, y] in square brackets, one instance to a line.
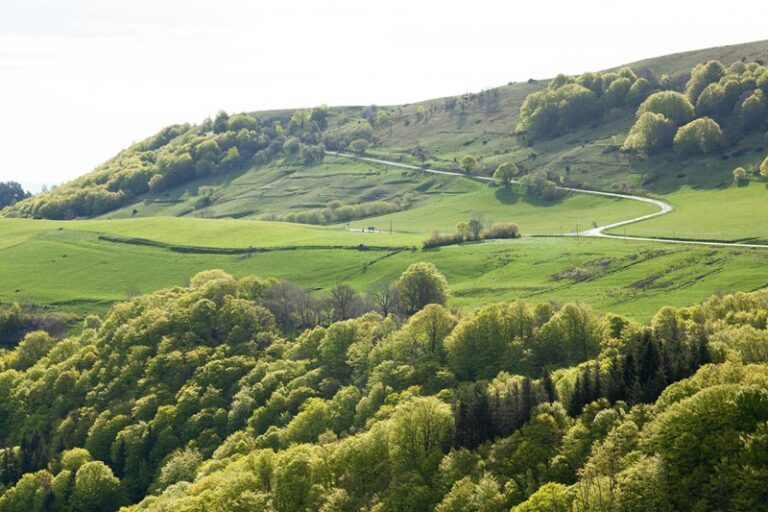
[419, 285]
[430, 326]
[639, 91]
[616, 94]
[385, 297]
[764, 167]
[180, 467]
[359, 146]
[550, 497]
[674, 106]
[505, 172]
[421, 429]
[292, 145]
[650, 134]
[475, 226]
[468, 163]
[752, 111]
[10, 193]
[463, 229]
[699, 136]
[713, 102]
[701, 76]
[96, 488]
[345, 301]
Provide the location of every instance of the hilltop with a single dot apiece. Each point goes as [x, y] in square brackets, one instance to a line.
[205, 170]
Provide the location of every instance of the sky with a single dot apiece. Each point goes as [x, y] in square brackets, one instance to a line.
[82, 79]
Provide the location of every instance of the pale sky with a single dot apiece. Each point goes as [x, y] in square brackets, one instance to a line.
[82, 79]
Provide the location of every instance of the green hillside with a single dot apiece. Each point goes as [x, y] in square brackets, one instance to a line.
[251, 314]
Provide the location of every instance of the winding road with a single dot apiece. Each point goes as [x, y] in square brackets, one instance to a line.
[597, 232]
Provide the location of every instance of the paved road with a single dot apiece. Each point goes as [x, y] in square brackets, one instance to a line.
[597, 232]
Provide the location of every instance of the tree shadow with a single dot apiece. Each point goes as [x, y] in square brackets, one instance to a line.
[507, 195]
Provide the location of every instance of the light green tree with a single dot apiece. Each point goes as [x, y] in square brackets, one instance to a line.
[505, 172]
[674, 106]
[419, 285]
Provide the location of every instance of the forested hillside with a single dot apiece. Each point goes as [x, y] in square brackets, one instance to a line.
[195, 399]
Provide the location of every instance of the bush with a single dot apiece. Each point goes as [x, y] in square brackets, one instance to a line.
[740, 176]
[538, 186]
[502, 230]
[468, 163]
[359, 146]
[439, 240]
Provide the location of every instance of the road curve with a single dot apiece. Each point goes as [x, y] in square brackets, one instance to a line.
[597, 232]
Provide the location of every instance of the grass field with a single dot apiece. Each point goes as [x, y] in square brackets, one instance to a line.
[70, 266]
[730, 214]
[439, 202]
[73, 270]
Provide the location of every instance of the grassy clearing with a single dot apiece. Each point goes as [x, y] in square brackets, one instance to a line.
[73, 270]
[730, 214]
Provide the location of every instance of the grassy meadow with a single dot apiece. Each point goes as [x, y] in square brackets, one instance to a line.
[73, 269]
[730, 214]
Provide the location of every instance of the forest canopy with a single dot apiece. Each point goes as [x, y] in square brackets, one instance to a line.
[195, 398]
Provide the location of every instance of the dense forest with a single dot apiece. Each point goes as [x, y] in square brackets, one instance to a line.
[219, 396]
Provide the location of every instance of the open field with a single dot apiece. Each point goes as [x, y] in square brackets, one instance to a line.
[730, 214]
[438, 203]
[74, 270]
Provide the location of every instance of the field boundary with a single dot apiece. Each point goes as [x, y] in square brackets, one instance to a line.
[193, 249]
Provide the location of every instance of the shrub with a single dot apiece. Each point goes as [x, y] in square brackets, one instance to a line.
[739, 176]
[502, 230]
[468, 163]
[359, 146]
[438, 240]
[538, 186]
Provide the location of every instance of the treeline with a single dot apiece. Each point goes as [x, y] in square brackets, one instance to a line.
[179, 154]
[194, 399]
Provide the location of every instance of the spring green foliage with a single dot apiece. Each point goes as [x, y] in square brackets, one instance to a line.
[421, 284]
[672, 105]
[505, 172]
[568, 103]
[651, 133]
[729, 103]
[700, 136]
[191, 398]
